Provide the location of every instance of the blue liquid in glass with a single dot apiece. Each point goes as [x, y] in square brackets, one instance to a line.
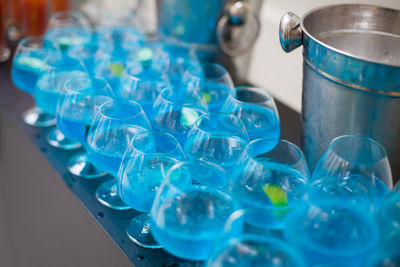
[147, 108]
[177, 122]
[47, 100]
[76, 130]
[25, 71]
[49, 88]
[215, 94]
[86, 55]
[266, 212]
[260, 122]
[364, 193]
[111, 70]
[107, 149]
[333, 235]
[223, 151]
[140, 191]
[389, 215]
[386, 254]
[191, 223]
[107, 162]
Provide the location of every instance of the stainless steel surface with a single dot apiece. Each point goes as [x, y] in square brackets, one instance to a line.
[196, 22]
[238, 28]
[350, 75]
[365, 32]
[290, 32]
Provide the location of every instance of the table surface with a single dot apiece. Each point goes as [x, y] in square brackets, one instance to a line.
[48, 217]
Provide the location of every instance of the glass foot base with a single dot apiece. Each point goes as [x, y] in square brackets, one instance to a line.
[80, 166]
[57, 139]
[37, 118]
[107, 195]
[139, 231]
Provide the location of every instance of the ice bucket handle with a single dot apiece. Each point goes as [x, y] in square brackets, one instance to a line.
[232, 25]
[290, 32]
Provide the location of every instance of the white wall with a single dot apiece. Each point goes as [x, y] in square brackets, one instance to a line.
[271, 67]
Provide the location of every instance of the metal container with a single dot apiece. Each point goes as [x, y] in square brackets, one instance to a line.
[220, 30]
[351, 82]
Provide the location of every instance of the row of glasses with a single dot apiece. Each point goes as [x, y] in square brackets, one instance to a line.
[191, 101]
[31, 53]
[335, 220]
[65, 30]
[273, 193]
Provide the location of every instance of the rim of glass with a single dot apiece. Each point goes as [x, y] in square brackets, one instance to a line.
[135, 76]
[193, 70]
[130, 102]
[299, 152]
[199, 162]
[169, 89]
[53, 63]
[101, 30]
[159, 133]
[259, 90]
[221, 114]
[367, 140]
[67, 13]
[105, 53]
[271, 241]
[86, 90]
[304, 207]
[35, 38]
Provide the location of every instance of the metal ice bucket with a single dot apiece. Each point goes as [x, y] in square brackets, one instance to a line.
[220, 30]
[351, 82]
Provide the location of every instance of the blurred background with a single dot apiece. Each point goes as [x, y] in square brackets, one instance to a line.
[269, 68]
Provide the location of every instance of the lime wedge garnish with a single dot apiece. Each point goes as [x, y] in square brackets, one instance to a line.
[179, 30]
[66, 42]
[116, 69]
[145, 55]
[276, 195]
[189, 116]
[33, 63]
[207, 97]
